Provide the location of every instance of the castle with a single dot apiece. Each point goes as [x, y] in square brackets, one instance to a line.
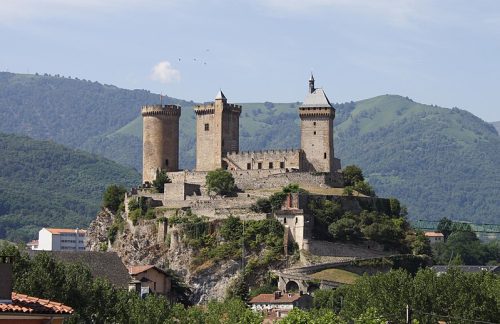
[217, 141]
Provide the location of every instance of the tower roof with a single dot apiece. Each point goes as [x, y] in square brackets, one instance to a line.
[317, 99]
[220, 95]
[312, 77]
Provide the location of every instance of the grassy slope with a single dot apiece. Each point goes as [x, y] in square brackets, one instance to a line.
[46, 184]
[337, 275]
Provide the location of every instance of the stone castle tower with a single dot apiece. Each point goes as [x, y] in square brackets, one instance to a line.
[217, 133]
[316, 130]
[160, 139]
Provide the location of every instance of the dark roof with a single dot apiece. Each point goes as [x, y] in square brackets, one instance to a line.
[33, 305]
[467, 268]
[106, 265]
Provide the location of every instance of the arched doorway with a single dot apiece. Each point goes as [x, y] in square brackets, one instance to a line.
[292, 286]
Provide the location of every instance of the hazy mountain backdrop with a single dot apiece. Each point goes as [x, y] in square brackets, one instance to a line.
[437, 161]
[47, 184]
[497, 126]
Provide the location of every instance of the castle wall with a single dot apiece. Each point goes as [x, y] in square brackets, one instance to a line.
[265, 179]
[160, 140]
[316, 140]
[265, 160]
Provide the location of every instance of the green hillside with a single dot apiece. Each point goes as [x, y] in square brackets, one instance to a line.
[497, 126]
[67, 111]
[46, 184]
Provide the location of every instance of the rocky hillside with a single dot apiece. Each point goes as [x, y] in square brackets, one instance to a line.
[200, 251]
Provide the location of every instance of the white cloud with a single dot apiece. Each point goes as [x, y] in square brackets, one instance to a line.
[165, 73]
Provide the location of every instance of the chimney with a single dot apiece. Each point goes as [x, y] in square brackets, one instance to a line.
[6, 282]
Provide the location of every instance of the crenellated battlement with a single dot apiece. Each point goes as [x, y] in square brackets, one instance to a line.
[166, 110]
[265, 152]
[209, 108]
[311, 112]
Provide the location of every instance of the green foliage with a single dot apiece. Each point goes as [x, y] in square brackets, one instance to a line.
[220, 182]
[238, 289]
[364, 188]
[160, 180]
[421, 245]
[262, 205]
[140, 208]
[325, 212]
[113, 197]
[445, 226]
[463, 247]
[68, 190]
[352, 174]
[346, 228]
[457, 294]
[348, 190]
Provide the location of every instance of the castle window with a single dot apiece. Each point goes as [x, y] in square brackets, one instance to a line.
[166, 162]
[314, 123]
[314, 132]
[259, 165]
[270, 165]
[296, 220]
[249, 166]
[207, 127]
[324, 155]
[282, 165]
[284, 220]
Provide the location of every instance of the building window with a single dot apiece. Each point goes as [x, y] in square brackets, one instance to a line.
[324, 155]
[270, 165]
[249, 166]
[284, 220]
[207, 127]
[314, 123]
[282, 165]
[166, 162]
[314, 132]
[259, 165]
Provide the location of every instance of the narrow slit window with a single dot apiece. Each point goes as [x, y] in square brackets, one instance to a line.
[207, 127]
[324, 155]
[166, 162]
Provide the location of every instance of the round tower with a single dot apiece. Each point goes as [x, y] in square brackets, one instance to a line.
[160, 139]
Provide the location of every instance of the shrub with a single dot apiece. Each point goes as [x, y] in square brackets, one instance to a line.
[262, 205]
[221, 182]
[352, 174]
[113, 197]
[160, 180]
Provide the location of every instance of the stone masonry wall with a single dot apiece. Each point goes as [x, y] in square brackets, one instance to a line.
[266, 160]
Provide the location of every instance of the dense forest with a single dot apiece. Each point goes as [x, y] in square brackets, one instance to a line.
[47, 184]
[438, 162]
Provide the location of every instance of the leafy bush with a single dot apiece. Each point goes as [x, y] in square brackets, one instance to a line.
[113, 197]
[262, 205]
[220, 182]
[160, 180]
[352, 174]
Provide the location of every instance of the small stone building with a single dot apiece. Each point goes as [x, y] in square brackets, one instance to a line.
[152, 277]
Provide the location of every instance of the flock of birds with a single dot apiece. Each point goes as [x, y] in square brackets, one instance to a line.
[197, 60]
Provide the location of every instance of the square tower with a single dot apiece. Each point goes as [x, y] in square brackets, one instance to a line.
[316, 130]
[217, 132]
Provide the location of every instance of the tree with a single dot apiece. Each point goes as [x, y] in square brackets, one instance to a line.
[113, 197]
[346, 228]
[160, 180]
[352, 174]
[364, 188]
[220, 182]
[445, 226]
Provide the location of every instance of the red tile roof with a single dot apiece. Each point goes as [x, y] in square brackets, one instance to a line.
[433, 234]
[139, 269]
[64, 230]
[270, 299]
[33, 305]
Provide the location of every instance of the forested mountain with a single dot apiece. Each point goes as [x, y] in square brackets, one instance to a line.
[497, 126]
[47, 184]
[437, 161]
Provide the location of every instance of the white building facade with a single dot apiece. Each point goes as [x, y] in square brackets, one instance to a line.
[61, 239]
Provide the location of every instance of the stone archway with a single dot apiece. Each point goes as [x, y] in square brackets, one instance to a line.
[292, 286]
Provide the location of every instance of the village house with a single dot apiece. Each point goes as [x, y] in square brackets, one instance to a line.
[19, 308]
[434, 237]
[60, 239]
[150, 279]
[278, 305]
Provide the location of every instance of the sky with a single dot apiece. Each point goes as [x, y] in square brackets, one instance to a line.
[442, 52]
